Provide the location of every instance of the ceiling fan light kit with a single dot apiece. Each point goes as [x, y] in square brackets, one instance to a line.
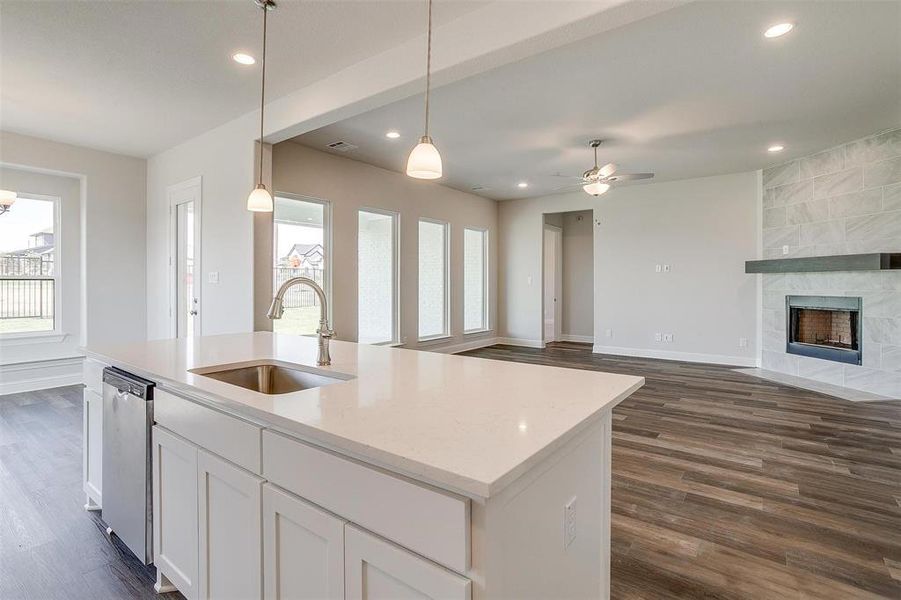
[425, 160]
[260, 200]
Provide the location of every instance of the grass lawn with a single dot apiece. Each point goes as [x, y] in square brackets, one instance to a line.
[26, 325]
[298, 321]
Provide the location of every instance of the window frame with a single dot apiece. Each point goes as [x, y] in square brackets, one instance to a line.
[56, 277]
[395, 272]
[446, 333]
[327, 245]
[486, 325]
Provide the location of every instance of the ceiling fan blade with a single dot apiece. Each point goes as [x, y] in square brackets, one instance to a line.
[562, 176]
[569, 187]
[607, 170]
[629, 177]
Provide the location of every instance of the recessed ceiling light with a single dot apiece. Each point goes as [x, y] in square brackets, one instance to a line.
[244, 59]
[778, 29]
[776, 148]
[393, 135]
[522, 184]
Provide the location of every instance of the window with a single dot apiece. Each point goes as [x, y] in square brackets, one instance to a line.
[475, 274]
[377, 277]
[301, 249]
[433, 280]
[29, 274]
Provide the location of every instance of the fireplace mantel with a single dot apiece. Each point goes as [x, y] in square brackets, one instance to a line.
[885, 261]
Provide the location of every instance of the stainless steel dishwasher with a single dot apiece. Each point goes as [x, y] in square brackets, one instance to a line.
[127, 486]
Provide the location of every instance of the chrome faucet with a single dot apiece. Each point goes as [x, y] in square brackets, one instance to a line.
[277, 309]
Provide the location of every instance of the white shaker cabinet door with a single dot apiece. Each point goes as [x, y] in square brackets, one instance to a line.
[303, 549]
[378, 570]
[175, 510]
[229, 530]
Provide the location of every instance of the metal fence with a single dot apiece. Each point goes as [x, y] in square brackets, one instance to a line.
[298, 296]
[26, 287]
[26, 298]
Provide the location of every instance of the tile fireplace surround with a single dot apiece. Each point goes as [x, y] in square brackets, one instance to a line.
[845, 200]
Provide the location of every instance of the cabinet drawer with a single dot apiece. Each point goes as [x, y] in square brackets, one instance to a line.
[429, 522]
[92, 375]
[227, 436]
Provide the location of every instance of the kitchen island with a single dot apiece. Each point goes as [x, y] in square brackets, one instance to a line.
[404, 474]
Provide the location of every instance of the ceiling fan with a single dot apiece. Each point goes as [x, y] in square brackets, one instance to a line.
[597, 180]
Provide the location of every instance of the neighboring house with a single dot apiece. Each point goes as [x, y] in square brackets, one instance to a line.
[36, 259]
[303, 256]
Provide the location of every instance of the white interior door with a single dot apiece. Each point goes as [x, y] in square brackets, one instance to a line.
[184, 258]
[552, 281]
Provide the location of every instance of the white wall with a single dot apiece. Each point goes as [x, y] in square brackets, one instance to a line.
[224, 159]
[113, 193]
[704, 228]
[350, 185]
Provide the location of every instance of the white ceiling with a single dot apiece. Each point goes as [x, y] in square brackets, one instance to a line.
[136, 77]
[690, 92]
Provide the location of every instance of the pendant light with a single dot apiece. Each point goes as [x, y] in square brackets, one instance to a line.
[425, 161]
[260, 200]
[7, 199]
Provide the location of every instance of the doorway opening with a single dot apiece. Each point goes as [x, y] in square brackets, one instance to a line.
[184, 258]
[568, 277]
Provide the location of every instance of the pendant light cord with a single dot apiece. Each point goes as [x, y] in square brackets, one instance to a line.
[428, 71]
[263, 88]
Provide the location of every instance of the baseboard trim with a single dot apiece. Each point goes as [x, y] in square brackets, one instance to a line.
[526, 343]
[40, 375]
[694, 357]
[463, 346]
[581, 339]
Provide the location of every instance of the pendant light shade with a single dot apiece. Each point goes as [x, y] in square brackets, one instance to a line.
[596, 188]
[7, 197]
[425, 161]
[260, 200]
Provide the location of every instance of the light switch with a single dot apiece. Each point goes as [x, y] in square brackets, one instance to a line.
[657, 268]
[658, 337]
[666, 268]
[212, 277]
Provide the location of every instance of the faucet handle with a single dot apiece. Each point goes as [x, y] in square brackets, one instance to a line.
[325, 332]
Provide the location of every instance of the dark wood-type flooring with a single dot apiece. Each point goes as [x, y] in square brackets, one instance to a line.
[724, 486]
[728, 486]
[50, 548]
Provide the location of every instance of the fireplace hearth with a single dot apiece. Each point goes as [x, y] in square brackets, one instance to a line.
[825, 327]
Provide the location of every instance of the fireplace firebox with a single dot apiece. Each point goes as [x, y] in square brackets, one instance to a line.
[826, 327]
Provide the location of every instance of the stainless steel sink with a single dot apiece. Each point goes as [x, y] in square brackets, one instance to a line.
[270, 377]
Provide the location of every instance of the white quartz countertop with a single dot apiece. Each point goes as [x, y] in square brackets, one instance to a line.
[469, 425]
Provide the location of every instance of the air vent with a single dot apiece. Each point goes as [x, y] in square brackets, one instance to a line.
[478, 188]
[341, 146]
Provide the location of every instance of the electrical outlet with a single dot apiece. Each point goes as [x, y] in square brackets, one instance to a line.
[785, 250]
[212, 277]
[608, 333]
[658, 337]
[743, 342]
[569, 522]
[667, 337]
[529, 280]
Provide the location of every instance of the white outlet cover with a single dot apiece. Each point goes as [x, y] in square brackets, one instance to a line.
[785, 250]
[658, 337]
[667, 337]
[212, 277]
[609, 333]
